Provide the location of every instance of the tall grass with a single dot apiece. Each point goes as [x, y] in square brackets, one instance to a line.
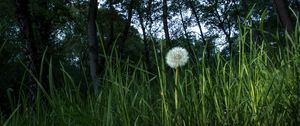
[252, 88]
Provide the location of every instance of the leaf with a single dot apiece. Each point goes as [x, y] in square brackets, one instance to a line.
[1, 48]
[13, 113]
[262, 19]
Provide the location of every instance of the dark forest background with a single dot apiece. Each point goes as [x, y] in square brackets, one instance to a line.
[78, 35]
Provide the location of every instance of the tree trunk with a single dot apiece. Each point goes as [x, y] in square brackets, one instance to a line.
[222, 26]
[111, 27]
[165, 23]
[146, 44]
[245, 6]
[183, 25]
[148, 16]
[193, 9]
[93, 44]
[43, 27]
[25, 24]
[43, 23]
[186, 33]
[127, 26]
[283, 14]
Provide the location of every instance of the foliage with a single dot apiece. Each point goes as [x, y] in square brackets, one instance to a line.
[256, 82]
[257, 89]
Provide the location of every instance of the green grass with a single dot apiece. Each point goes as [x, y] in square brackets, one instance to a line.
[256, 87]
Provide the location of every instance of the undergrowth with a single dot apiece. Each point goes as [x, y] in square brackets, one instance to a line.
[255, 87]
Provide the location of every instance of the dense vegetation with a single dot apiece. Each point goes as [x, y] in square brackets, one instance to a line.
[77, 62]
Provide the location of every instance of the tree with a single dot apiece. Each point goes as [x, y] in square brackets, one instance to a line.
[119, 25]
[130, 5]
[36, 19]
[283, 14]
[220, 17]
[26, 30]
[111, 26]
[93, 43]
[184, 22]
[245, 6]
[146, 42]
[165, 23]
[194, 11]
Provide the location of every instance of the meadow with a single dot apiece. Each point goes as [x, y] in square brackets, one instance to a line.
[257, 85]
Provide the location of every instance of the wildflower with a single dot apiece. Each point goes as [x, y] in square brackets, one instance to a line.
[176, 57]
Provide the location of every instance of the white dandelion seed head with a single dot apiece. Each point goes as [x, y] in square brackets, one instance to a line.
[177, 57]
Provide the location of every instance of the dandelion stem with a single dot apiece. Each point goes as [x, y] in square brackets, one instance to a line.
[176, 88]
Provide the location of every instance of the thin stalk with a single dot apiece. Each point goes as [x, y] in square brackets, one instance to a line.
[176, 88]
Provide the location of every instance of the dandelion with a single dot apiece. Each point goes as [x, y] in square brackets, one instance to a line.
[177, 57]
